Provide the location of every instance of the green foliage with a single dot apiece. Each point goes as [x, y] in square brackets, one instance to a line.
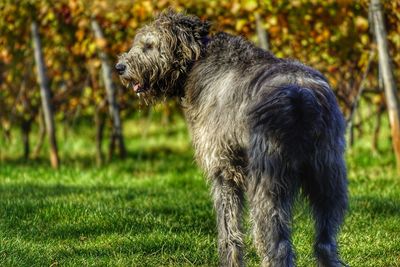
[154, 209]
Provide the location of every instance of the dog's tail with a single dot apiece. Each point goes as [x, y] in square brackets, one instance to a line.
[290, 118]
[288, 126]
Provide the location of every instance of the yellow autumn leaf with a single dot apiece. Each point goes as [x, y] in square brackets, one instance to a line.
[101, 43]
[250, 5]
[240, 24]
[92, 48]
[361, 23]
[80, 34]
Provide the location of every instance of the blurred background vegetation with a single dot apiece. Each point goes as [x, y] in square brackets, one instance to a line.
[152, 208]
[332, 36]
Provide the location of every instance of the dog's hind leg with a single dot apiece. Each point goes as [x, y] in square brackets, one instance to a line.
[271, 207]
[272, 188]
[228, 201]
[326, 189]
[282, 127]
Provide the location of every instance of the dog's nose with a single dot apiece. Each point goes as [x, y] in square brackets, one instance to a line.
[120, 68]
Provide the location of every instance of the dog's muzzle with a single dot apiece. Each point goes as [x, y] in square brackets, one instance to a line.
[120, 67]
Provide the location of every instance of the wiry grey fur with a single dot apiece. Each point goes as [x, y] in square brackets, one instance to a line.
[259, 124]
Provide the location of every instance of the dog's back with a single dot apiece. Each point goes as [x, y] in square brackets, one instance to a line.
[234, 90]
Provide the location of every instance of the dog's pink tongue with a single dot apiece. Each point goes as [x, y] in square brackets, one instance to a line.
[136, 87]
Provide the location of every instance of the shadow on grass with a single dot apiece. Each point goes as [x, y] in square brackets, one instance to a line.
[77, 225]
[376, 206]
[63, 212]
[87, 222]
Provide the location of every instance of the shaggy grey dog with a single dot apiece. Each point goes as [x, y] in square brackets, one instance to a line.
[260, 125]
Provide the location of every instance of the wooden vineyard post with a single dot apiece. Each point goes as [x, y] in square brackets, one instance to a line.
[392, 100]
[45, 95]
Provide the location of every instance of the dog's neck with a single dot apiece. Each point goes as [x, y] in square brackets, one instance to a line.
[180, 83]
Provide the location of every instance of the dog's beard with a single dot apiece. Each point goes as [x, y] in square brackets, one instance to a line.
[153, 87]
[150, 81]
[144, 90]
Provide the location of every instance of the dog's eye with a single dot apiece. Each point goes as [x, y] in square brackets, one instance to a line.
[148, 46]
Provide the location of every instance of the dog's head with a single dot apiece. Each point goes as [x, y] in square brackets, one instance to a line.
[161, 55]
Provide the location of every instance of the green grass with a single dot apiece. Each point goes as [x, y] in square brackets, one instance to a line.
[154, 209]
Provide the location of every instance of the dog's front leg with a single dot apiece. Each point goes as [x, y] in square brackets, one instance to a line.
[228, 202]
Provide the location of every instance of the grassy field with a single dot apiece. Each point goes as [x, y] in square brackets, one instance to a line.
[154, 209]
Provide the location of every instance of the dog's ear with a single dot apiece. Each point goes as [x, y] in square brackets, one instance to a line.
[186, 36]
[188, 23]
[196, 25]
